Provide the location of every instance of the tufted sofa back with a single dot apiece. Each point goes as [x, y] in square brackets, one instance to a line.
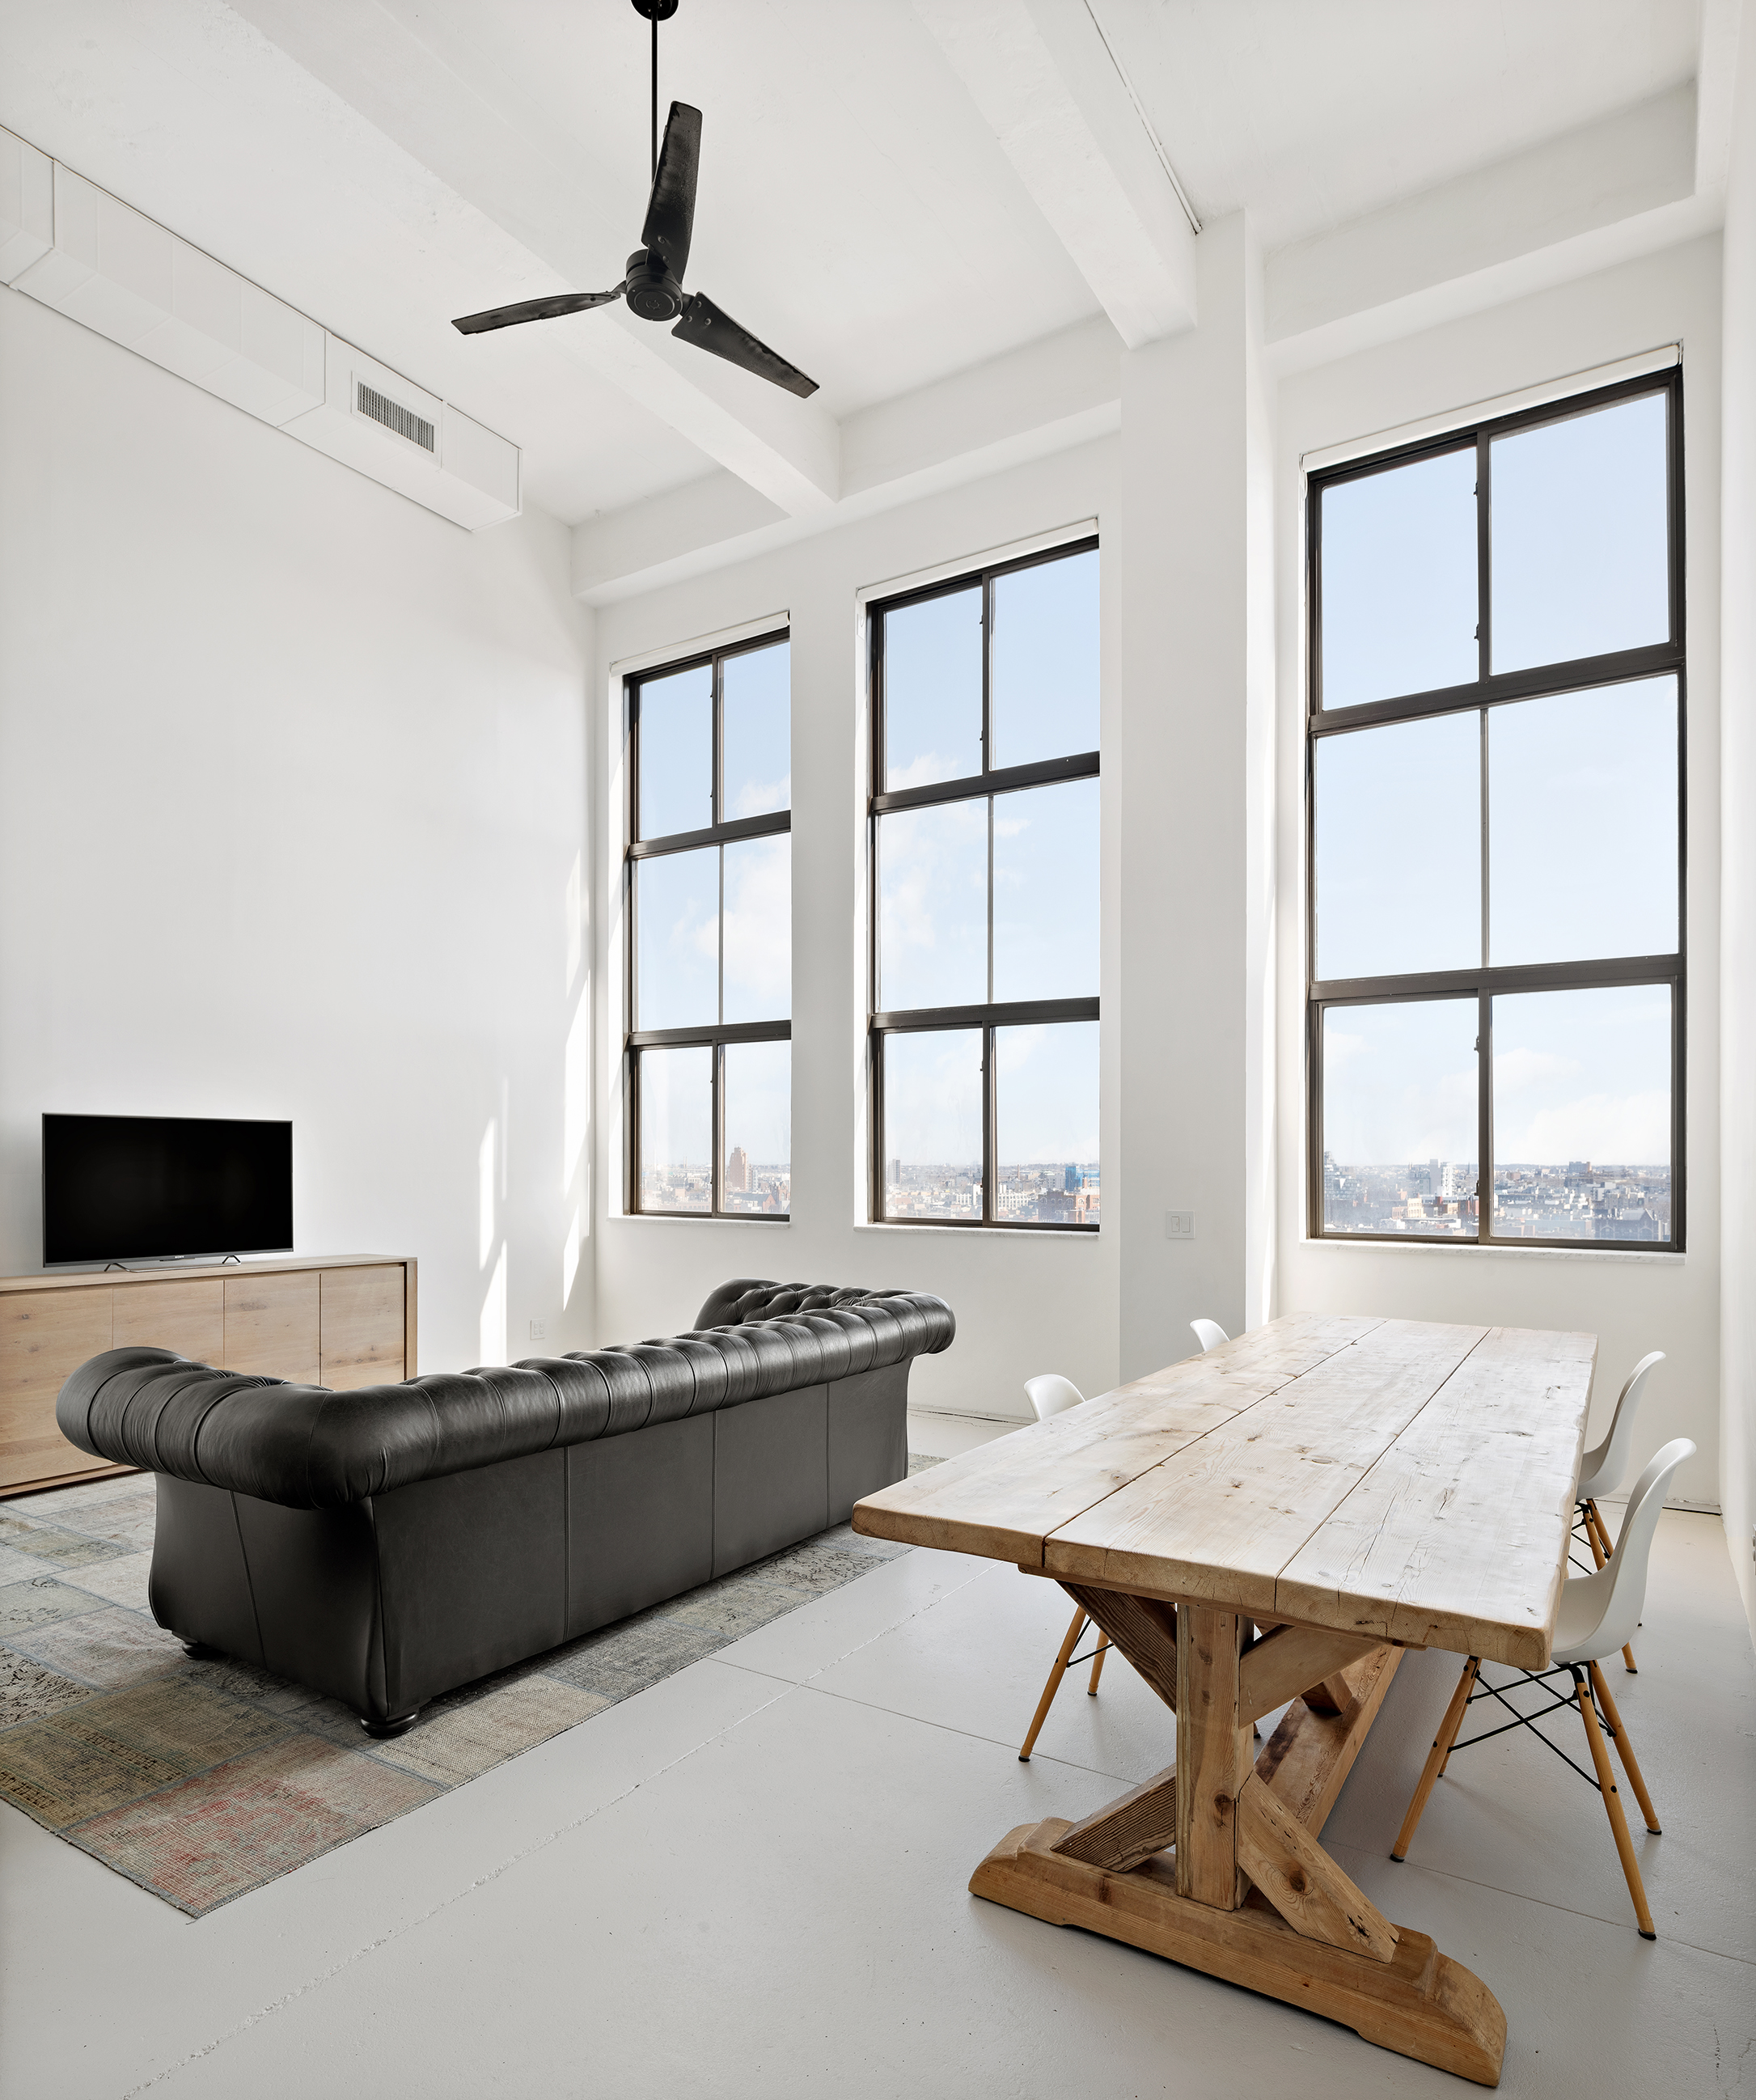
[306, 1447]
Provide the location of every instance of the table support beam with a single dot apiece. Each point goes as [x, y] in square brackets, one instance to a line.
[1419, 2002]
[1144, 1629]
[1217, 1865]
[1213, 1756]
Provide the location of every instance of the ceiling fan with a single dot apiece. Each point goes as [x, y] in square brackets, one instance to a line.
[653, 286]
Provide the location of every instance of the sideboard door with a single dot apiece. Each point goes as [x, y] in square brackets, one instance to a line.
[362, 1330]
[45, 1336]
[271, 1326]
[186, 1314]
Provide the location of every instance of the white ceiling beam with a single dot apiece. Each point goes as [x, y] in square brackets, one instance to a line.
[1716, 67]
[1062, 390]
[1579, 202]
[1049, 88]
[786, 449]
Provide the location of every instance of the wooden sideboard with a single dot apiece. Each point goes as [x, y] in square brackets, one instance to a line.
[344, 1320]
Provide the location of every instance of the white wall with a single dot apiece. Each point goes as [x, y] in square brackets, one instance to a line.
[1633, 1302]
[292, 823]
[1738, 801]
[1025, 1302]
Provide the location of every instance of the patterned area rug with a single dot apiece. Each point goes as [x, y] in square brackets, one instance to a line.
[202, 1780]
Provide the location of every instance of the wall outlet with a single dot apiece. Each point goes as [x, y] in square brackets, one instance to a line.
[538, 1332]
[1180, 1225]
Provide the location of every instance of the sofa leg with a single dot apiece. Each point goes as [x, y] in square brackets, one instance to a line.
[382, 1731]
[200, 1652]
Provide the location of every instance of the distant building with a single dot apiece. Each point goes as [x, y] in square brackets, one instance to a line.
[896, 1172]
[738, 1168]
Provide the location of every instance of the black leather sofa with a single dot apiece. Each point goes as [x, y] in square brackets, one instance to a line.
[388, 1544]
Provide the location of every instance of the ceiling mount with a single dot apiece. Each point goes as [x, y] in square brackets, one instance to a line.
[653, 286]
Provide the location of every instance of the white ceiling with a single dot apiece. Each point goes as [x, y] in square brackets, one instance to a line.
[385, 164]
[1312, 112]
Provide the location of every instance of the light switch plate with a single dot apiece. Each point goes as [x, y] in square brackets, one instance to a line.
[1180, 1225]
[538, 1332]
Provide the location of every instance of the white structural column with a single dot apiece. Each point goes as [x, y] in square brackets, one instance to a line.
[1190, 772]
[1737, 787]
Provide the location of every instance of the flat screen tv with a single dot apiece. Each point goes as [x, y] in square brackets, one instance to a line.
[146, 1188]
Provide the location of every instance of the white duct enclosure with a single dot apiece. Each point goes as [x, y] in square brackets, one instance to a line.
[77, 249]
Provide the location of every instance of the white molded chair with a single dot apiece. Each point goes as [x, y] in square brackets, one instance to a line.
[1601, 1472]
[1599, 1614]
[1209, 1332]
[1050, 1395]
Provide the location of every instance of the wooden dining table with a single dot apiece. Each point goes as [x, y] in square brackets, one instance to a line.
[1278, 1520]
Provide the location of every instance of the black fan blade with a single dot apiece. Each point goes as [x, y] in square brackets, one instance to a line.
[671, 209]
[534, 310]
[707, 328]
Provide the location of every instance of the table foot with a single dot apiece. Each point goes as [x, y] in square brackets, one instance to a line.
[1419, 2003]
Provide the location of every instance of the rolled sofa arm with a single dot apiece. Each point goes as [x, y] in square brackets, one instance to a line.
[306, 1447]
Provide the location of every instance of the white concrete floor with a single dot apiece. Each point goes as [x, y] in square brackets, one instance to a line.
[751, 1881]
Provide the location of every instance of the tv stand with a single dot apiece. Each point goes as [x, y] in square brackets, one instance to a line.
[341, 1321]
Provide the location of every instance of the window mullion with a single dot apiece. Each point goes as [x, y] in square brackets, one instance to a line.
[989, 1118]
[1484, 560]
[1487, 923]
[1485, 1118]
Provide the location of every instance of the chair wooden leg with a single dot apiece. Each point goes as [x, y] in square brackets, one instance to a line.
[1436, 1757]
[1472, 1670]
[1612, 1808]
[1625, 1750]
[1054, 1675]
[1595, 1518]
[1097, 1666]
[1599, 1557]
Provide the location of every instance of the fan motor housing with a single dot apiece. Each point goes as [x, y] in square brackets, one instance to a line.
[652, 291]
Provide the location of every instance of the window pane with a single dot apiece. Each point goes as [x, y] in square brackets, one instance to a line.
[1046, 1123]
[676, 1130]
[933, 1125]
[1583, 825]
[933, 689]
[757, 729]
[759, 929]
[1399, 581]
[1044, 669]
[677, 898]
[1580, 536]
[1045, 892]
[933, 907]
[1398, 836]
[758, 1175]
[675, 753]
[1582, 1114]
[1400, 1118]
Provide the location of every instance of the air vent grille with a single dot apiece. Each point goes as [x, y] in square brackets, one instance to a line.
[394, 416]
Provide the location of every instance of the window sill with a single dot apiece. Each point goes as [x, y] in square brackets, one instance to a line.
[976, 1232]
[1665, 1255]
[690, 1218]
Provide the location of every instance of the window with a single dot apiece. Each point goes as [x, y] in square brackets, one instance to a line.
[984, 854]
[710, 949]
[1496, 859]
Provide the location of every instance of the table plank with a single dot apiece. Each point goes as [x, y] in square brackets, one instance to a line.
[1456, 1536]
[1002, 1499]
[1219, 1518]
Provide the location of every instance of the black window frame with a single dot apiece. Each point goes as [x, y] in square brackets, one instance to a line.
[718, 1035]
[988, 1015]
[1479, 696]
